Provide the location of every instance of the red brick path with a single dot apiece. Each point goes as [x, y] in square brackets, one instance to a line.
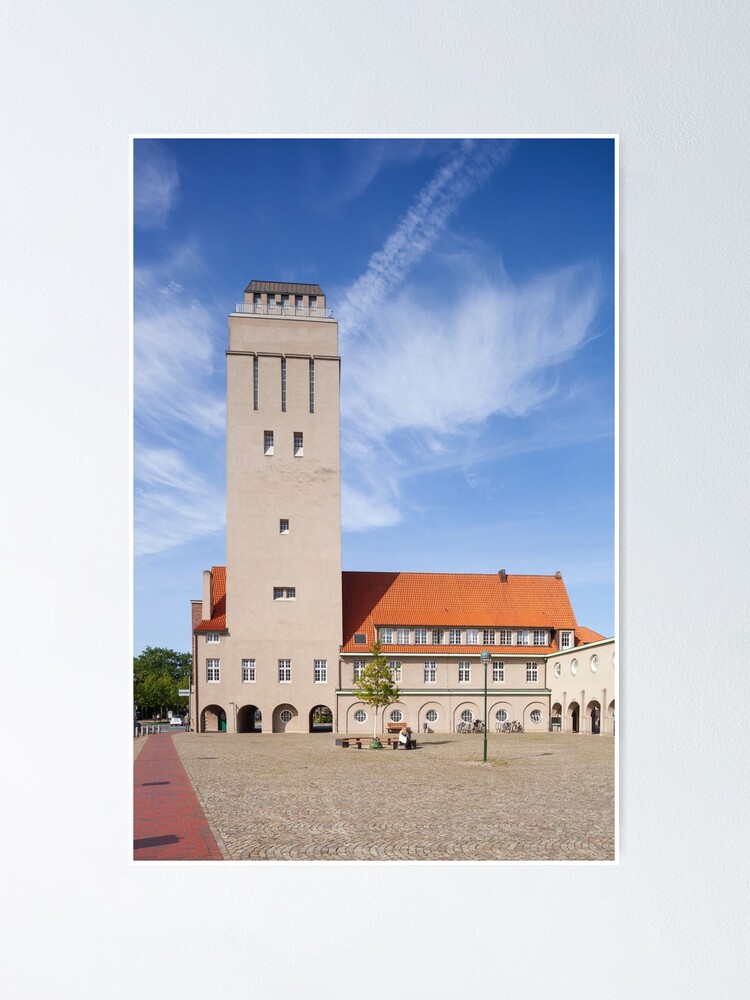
[168, 821]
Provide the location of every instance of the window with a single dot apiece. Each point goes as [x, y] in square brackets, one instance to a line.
[268, 442]
[454, 636]
[488, 637]
[574, 667]
[256, 302]
[566, 640]
[248, 671]
[360, 638]
[212, 636]
[320, 671]
[472, 637]
[501, 715]
[298, 303]
[395, 668]
[255, 383]
[498, 671]
[420, 636]
[558, 670]
[271, 299]
[397, 715]
[286, 716]
[464, 670]
[312, 387]
[532, 673]
[285, 671]
[212, 671]
[540, 636]
[437, 636]
[594, 663]
[467, 715]
[285, 303]
[403, 636]
[284, 593]
[432, 715]
[357, 668]
[283, 385]
[506, 637]
[360, 715]
[283, 526]
[298, 444]
[523, 637]
[536, 715]
[386, 636]
[430, 671]
[313, 300]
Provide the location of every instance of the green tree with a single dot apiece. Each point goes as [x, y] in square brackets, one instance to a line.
[375, 686]
[158, 673]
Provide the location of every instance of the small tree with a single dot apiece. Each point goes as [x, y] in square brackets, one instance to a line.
[375, 686]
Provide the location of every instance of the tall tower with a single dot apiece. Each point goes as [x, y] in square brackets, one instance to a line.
[280, 651]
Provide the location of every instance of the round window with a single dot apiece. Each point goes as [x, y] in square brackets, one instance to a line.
[558, 670]
[574, 667]
[431, 716]
[594, 663]
[286, 716]
[396, 715]
[536, 715]
[467, 715]
[501, 715]
[360, 715]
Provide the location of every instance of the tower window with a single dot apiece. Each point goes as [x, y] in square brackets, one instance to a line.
[285, 671]
[284, 593]
[284, 526]
[313, 304]
[298, 442]
[255, 383]
[283, 385]
[312, 387]
[320, 671]
[298, 303]
[268, 442]
[212, 671]
[248, 671]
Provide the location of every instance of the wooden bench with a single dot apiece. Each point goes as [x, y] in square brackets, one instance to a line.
[356, 740]
[394, 727]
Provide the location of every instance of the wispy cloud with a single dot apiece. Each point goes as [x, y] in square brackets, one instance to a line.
[179, 408]
[438, 372]
[466, 168]
[174, 503]
[156, 183]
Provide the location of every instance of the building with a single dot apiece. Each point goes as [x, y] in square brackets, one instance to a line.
[281, 634]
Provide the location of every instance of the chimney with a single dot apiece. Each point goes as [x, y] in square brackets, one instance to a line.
[503, 576]
[206, 606]
[558, 575]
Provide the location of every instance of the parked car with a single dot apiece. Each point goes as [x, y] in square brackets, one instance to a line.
[176, 720]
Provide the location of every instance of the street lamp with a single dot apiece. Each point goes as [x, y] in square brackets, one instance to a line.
[486, 657]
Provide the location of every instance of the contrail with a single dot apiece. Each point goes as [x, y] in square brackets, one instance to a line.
[467, 168]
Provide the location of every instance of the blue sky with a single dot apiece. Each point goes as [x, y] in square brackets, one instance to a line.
[473, 284]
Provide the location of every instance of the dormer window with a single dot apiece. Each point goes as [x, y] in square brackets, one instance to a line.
[540, 637]
[566, 640]
[360, 638]
[523, 637]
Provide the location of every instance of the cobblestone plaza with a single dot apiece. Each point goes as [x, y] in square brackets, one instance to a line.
[540, 797]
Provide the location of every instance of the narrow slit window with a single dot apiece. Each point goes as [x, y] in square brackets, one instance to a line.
[283, 385]
[255, 383]
[298, 444]
[268, 442]
[312, 387]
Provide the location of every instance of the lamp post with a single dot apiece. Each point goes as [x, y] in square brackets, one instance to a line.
[486, 657]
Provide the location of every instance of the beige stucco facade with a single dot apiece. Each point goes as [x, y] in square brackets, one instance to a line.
[283, 567]
[582, 685]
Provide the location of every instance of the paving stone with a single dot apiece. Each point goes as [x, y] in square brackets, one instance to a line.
[298, 796]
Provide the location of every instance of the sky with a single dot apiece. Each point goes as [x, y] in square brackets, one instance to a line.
[473, 281]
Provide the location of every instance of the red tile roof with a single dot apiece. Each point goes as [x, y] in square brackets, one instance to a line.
[440, 600]
[218, 620]
[451, 599]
